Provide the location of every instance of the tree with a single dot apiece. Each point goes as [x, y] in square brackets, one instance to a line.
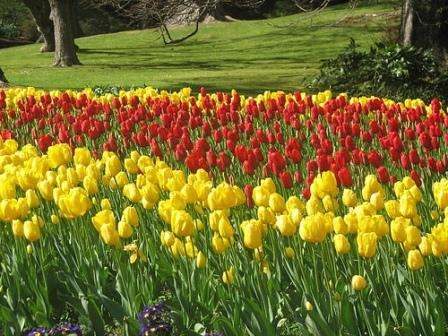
[3, 80]
[40, 9]
[424, 23]
[164, 13]
[65, 49]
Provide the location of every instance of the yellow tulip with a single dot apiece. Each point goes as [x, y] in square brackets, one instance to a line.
[252, 236]
[377, 200]
[296, 216]
[90, 185]
[59, 154]
[167, 238]
[219, 244]
[82, 156]
[382, 228]
[112, 165]
[358, 283]
[415, 260]
[425, 246]
[367, 243]
[17, 228]
[294, 202]
[31, 230]
[266, 215]
[313, 205]
[328, 203]
[407, 206]
[260, 196]
[408, 182]
[131, 192]
[349, 198]
[339, 225]
[228, 276]
[413, 236]
[313, 228]
[201, 260]
[398, 229]
[225, 228]
[32, 199]
[308, 306]
[109, 234]
[102, 218]
[352, 222]
[341, 244]
[188, 192]
[105, 204]
[276, 203]
[177, 201]
[440, 192]
[268, 184]
[131, 166]
[181, 223]
[190, 249]
[289, 252]
[285, 225]
[54, 219]
[124, 229]
[130, 216]
[121, 179]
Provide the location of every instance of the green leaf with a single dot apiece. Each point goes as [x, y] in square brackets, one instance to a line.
[347, 317]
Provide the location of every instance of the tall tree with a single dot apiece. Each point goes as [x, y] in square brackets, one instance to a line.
[40, 9]
[65, 49]
[424, 23]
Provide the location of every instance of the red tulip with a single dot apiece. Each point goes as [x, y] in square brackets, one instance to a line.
[416, 177]
[248, 167]
[286, 179]
[383, 174]
[345, 177]
[248, 192]
[298, 177]
[44, 142]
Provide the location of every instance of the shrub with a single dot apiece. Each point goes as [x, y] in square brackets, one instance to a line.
[391, 70]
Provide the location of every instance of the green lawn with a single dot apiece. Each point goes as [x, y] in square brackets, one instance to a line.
[251, 56]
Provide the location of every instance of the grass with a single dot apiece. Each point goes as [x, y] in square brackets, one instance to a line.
[251, 56]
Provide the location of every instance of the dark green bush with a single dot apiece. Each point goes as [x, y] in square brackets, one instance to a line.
[387, 70]
[12, 16]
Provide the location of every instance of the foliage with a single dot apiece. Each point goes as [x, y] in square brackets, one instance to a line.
[387, 70]
[111, 203]
[273, 58]
[13, 17]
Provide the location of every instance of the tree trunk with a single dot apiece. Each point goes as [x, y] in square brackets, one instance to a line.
[217, 13]
[65, 50]
[40, 9]
[424, 24]
[77, 30]
[3, 80]
[407, 22]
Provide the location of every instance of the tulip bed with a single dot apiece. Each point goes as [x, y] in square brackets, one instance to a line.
[281, 214]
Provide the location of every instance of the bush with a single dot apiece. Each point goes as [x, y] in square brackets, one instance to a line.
[13, 16]
[8, 30]
[387, 70]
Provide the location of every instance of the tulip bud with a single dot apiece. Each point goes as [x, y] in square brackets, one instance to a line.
[358, 283]
[289, 252]
[308, 306]
[228, 276]
[201, 260]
